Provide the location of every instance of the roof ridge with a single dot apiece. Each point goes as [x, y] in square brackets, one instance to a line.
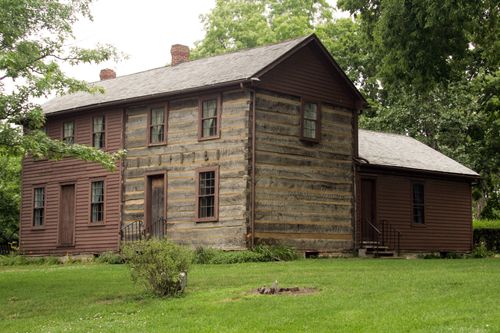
[387, 133]
[251, 48]
[209, 57]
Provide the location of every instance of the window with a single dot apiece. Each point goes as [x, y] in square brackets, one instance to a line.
[97, 204]
[418, 203]
[98, 132]
[38, 206]
[69, 132]
[209, 122]
[207, 192]
[157, 125]
[310, 121]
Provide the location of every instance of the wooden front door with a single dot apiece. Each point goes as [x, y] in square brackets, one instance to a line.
[67, 215]
[155, 224]
[368, 209]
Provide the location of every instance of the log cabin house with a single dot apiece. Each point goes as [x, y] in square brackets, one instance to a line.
[259, 145]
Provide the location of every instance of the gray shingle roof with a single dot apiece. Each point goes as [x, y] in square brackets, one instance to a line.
[402, 151]
[206, 72]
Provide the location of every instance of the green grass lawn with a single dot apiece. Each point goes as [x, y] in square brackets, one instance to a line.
[355, 295]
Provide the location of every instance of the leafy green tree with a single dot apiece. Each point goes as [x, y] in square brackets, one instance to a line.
[33, 35]
[10, 171]
[238, 24]
[437, 65]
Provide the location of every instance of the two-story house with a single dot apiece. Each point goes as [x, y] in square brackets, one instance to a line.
[259, 145]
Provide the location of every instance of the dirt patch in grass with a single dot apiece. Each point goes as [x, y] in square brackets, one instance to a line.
[284, 291]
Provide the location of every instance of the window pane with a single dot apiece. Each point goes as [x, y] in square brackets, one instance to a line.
[209, 127]
[68, 132]
[418, 215]
[209, 108]
[418, 204]
[207, 183]
[98, 140]
[39, 197]
[157, 116]
[98, 124]
[418, 194]
[206, 206]
[157, 134]
[310, 129]
[311, 111]
[38, 206]
[97, 192]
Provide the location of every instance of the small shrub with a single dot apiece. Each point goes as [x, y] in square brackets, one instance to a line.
[110, 258]
[481, 251]
[235, 257]
[277, 252]
[52, 261]
[489, 236]
[452, 255]
[204, 255]
[159, 265]
[259, 254]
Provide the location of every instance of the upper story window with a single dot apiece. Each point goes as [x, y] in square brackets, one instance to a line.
[418, 203]
[98, 132]
[310, 121]
[38, 206]
[157, 125]
[207, 194]
[209, 118]
[69, 132]
[97, 202]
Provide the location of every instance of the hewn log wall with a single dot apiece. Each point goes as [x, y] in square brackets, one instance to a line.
[304, 192]
[182, 154]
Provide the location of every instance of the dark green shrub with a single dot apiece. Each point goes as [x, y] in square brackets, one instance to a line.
[259, 254]
[52, 261]
[235, 257]
[110, 258]
[204, 255]
[159, 265]
[489, 236]
[481, 251]
[277, 252]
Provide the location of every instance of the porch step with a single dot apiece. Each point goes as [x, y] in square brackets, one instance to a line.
[384, 254]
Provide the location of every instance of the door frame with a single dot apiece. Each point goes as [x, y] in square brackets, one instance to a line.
[60, 214]
[373, 179]
[147, 199]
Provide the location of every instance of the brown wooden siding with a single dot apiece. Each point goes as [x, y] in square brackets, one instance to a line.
[448, 219]
[307, 74]
[303, 191]
[52, 174]
[180, 158]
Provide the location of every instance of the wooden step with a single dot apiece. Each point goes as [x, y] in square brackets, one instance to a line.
[385, 254]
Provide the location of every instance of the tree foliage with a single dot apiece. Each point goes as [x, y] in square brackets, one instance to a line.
[10, 171]
[34, 35]
[33, 39]
[438, 67]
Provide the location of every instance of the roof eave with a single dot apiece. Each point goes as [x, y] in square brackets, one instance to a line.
[149, 97]
[421, 171]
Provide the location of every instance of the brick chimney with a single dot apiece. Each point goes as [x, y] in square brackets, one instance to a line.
[180, 54]
[107, 74]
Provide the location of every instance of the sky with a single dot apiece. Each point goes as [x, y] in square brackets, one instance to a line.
[143, 30]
